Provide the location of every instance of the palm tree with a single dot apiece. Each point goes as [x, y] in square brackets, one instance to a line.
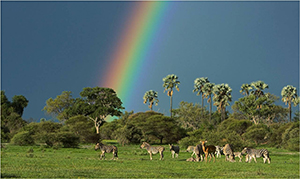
[208, 90]
[152, 97]
[171, 81]
[245, 89]
[289, 96]
[259, 86]
[222, 95]
[198, 86]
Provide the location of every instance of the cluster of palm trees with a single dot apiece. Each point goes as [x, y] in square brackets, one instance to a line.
[221, 93]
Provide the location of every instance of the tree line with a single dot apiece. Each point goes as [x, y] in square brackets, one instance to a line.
[83, 119]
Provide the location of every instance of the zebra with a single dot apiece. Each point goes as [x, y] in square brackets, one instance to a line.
[191, 149]
[247, 158]
[219, 151]
[192, 159]
[256, 153]
[174, 150]
[107, 149]
[228, 152]
[153, 150]
[198, 150]
[239, 155]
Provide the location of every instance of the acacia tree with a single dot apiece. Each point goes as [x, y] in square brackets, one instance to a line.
[222, 95]
[170, 82]
[289, 96]
[266, 112]
[208, 90]
[58, 107]
[152, 97]
[188, 115]
[97, 103]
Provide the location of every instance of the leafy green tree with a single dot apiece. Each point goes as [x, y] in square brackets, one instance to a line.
[188, 115]
[19, 103]
[161, 128]
[152, 97]
[170, 82]
[222, 97]
[245, 89]
[198, 87]
[258, 87]
[208, 91]
[11, 115]
[59, 105]
[98, 103]
[262, 109]
[289, 96]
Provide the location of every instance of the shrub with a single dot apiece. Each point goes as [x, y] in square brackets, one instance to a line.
[256, 133]
[293, 143]
[82, 127]
[23, 138]
[187, 141]
[290, 137]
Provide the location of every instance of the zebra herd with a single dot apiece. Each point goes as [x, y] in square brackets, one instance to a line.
[230, 155]
[201, 151]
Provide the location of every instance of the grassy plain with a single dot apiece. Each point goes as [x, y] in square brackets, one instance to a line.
[133, 162]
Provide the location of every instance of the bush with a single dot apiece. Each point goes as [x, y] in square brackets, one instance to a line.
[290, 137]
[23, 138]
[187, 141]
[60, 139]
[67, 139]
[256, 133]
[82, 127]
[293, 143]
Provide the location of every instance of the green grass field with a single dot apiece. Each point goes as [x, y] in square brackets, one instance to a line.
[133, 162]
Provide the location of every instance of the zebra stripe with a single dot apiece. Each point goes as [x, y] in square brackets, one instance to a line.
[257, 153]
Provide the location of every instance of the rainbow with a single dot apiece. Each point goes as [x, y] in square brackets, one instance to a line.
[129, 55]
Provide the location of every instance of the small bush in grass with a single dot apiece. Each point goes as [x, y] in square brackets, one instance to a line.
[67, 139]
[22, 138]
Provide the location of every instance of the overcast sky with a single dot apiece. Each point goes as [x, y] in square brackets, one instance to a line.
[51, 47]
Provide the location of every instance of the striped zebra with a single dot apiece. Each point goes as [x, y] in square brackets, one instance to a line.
[256, 153]
[107, 149]
[239, 155]
[219, 151]
[198, 150]
[191, 149]
[153, 150]
[174, 150]
[228, 152]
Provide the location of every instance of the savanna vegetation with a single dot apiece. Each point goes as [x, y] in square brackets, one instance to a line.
[256, 121]
[83, 162]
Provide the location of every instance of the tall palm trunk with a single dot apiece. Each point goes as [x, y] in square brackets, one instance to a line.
[210, 107]
[223, 113]
[202, 105]
[171, 105]
[290, 110]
